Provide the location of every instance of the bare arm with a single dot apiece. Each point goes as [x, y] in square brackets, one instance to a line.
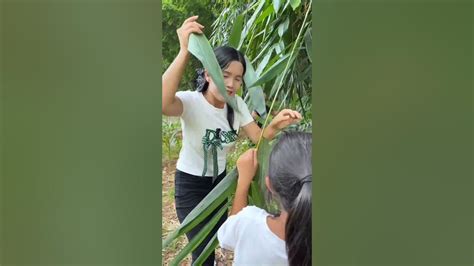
[172, 105]
[253, 131]
[247, 167]
[240, 199]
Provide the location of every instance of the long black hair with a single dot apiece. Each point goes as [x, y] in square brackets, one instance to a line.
[225, 55]
[290, 176]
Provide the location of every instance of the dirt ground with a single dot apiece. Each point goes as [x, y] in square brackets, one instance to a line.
[170, 221]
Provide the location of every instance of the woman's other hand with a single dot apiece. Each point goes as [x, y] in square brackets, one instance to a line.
[285, 118]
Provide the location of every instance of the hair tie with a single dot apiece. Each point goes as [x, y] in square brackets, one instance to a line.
[200, 71]
[200, 80]
[306, 179]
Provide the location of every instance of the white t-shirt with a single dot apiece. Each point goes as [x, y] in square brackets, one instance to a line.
[199, 122]
[252, 241]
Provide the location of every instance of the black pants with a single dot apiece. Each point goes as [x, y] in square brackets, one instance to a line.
[189, 191]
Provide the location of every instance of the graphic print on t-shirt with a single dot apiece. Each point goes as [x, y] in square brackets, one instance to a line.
[212, 140]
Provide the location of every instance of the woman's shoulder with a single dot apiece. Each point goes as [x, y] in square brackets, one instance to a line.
[188, 97]
[187, 93]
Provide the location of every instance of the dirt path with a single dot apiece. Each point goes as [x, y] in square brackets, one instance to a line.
[170, 221]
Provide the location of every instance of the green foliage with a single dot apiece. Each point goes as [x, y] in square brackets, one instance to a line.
[241, 144]
[171, 137]
[272, 29]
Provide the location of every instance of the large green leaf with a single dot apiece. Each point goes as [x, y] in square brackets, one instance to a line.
[210, 247]
[258, 187]
[199, 46]
[236, 32]
[274, 70]
[257, 98]
[218, 195]
[256, 194]
[199, 237]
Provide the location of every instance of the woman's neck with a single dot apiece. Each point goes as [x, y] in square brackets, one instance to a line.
[277, 224]
[213, 100]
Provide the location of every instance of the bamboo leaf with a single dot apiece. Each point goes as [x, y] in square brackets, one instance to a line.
[292, 56]
[276, 5]
[308, 44]
[274, 88]
[199, 237]
[218, 195]
[257, 188]
[264, 14]
[210, 247]
[274, 70]
[295, 4]
[263, 154]
[236, 32]
[257, 99]
[199, 46]
[283, 27]
[282, 45]
[264, 61]
[251, 23]
[256, 193]
[264, 49]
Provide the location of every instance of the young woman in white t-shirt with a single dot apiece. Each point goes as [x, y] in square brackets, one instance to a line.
[209, 125]
[255, 236]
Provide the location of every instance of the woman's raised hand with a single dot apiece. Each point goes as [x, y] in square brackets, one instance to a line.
[285, 118]
[190, 25]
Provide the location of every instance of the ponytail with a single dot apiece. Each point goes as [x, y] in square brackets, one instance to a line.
[298, 228]
[230, 117]
[289, 161]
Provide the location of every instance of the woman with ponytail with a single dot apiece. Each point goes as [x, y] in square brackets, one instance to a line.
[209, 126]
[255, 236]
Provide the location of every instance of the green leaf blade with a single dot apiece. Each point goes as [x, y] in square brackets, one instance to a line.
[211, 246]
[276, 5]
[283, 27]
[272, 72]
[199, 237]
[236, 32]
[257, 98]
[218, 195]
[199, 46]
